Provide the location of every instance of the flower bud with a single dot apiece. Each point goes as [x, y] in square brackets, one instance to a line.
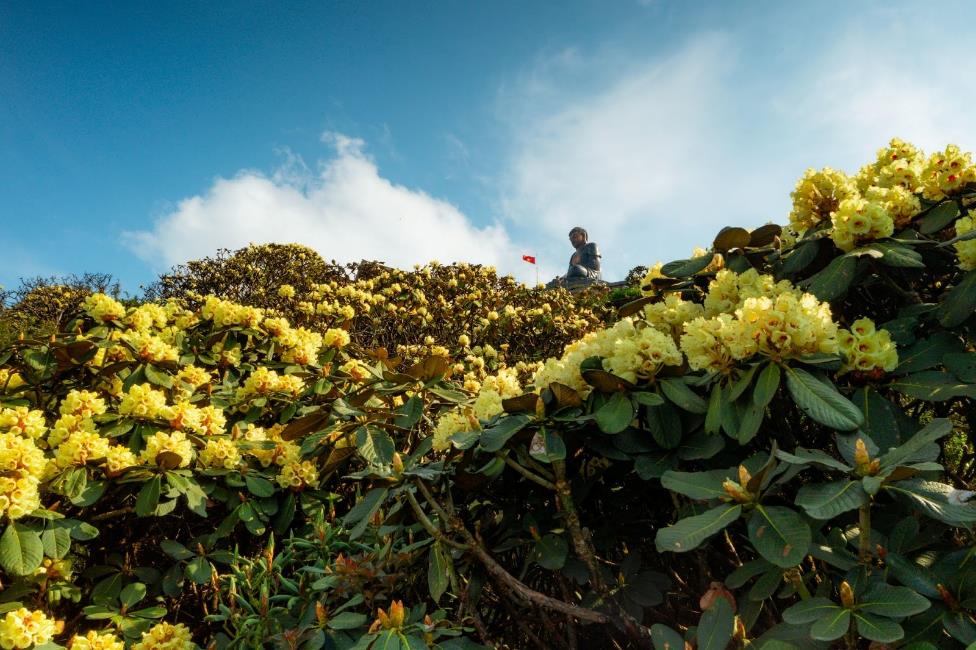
[846, 595]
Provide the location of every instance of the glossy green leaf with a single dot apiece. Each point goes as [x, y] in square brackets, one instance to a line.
[679, 393]
[833, 281]
[616, 414]
[893, 602]
[716, 626]
[767, 383]
[148, 497]
[827, 500]
[960, 303]
[821, 401]
[700, 486]
[877, 628]
[437, 571]
[689, 533]
[21, 549]
[664, 638]
[832, 626]
[494, 438]
[779, 534]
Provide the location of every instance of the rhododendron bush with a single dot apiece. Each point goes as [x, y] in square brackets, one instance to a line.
[770, 448]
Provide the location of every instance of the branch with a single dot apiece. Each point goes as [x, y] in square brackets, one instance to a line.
[434, 531]
[526, 473]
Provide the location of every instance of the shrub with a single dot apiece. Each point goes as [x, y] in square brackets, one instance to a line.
[771, 448]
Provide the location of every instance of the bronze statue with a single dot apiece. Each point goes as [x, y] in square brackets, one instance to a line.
[584, 264]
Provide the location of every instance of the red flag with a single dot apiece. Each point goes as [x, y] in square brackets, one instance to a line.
[529, 258]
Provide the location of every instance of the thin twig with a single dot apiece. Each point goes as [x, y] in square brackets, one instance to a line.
[526, 473]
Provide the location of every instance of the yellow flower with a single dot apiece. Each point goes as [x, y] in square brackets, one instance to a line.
[82, 403]
[946, 173]
[220, 453]
[286, 291]
[965, 250]
[23, 628]
[818, 194]
[81, 447]
[857, 220]
[96, 641]
[175, 442]
[165, 636]
[118, 458]
[103, 308]
[298, 474]
[143, 401]
[23, 421]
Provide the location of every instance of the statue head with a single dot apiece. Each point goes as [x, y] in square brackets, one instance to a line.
[577, 237]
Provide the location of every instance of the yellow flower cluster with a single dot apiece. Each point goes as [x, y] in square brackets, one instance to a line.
[884, 196]
[175, 442]
[143, 401]
[728, 290]
[286, 291]
[225, 313]
[23, 421]
[897, 165]
[283, 451]
[966, 250]
[147, 316]
[264, 381]
[633, 351]
[22, 467]
[652, 274]
[671, 313]
[220, 453]
[10, 380]
[856, 220]
[947, 172]
[494, 389]
[781, 324]
[82, 403]
[23, 628]
[81, 447]
[817, 195]
[103, 308]
[298, 475]
[335, 338]
[165, 636]
[451, 422]
[118, 458]
[149, 348]
[867, 349]
[94, 640]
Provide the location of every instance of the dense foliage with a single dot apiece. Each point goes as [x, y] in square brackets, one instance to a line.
[772, 448]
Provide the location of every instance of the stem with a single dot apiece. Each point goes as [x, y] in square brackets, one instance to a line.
[526, 473]
[864, 537]
[506, 579]
[434, 531]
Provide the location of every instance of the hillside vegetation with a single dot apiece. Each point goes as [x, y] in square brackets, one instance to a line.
[771, 448]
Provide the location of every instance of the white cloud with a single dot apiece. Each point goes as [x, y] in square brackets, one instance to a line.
[653, 153]
[346, 210]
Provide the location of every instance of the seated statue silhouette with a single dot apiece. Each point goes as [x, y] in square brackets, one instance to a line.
[584, 264]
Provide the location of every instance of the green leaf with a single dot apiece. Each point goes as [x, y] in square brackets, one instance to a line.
[927, 353]
[716, 626]
[698, 485]
[685, 268]
[962, 365]
[810, 610]
[801, 256]
[664, 638]
[827, 500]
[933, 499]
[766, 385]
[259, 486]
[688, 533]
[148, 497]
[802, 456]
[933, 386]
[938, 217]
[821, 401]
[876, 628]
[175, 550]
[199, 570]
[408, 414]
[892, 602]
[897, 255]
[749, 422]
[437, 571]
[347, 621]
[679, 393]
[494, 438]
[833, 281]
[375, 445]
[959, 303]
[780, 535]
[616, 414]
[56, 539]
[551, 551]
[716, 402]
[363, 510]
[21, 550]
[645, 398]
[665, 425]
[880, 421]
[918, 578]
[132, 594]
[832, 626]
[938, 428]
[157, 376]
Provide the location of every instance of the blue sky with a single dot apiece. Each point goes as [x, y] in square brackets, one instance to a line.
[134, 136]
